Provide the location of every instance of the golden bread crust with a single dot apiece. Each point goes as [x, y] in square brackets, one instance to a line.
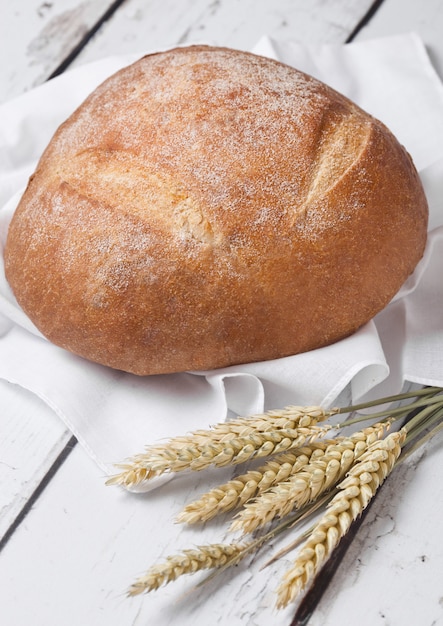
[206, 207]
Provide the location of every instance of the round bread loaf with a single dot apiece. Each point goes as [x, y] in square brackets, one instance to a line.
[207, 207]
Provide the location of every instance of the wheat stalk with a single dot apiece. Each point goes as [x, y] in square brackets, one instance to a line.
[355, 493]
[198, 456]
[186, 562]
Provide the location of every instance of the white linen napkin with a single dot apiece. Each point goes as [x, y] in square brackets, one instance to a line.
[114, 414]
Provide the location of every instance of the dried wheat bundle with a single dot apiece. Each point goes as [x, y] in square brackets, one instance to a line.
[307, 471]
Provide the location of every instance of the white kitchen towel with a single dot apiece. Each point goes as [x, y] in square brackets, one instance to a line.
[114, 414]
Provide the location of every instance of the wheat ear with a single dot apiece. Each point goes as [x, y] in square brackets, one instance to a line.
[198, 456]
[355, 493]
[289, 417]
[187, 562]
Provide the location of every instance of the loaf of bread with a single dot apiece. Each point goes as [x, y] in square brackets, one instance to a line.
[207, 207]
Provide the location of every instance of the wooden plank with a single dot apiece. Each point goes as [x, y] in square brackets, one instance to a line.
[31, 438]
[392, 570]
[141, 26]
[37, 35]
[76, 553]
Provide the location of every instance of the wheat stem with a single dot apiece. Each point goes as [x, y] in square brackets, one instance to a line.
[426, 391]
[315, 466]
[422, 420]
[418, 440]
[422, 440]
[396, 413]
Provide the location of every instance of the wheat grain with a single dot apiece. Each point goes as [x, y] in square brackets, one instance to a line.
[355, 492]
[321, 473]
[187, 562]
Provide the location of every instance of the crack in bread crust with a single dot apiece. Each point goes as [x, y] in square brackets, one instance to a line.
[106, 176]
[344, 137]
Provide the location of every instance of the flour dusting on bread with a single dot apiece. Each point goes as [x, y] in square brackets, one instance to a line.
[207, 207]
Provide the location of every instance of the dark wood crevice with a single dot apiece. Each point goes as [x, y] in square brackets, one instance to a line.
[367, 17]
[63, 66]
[58, 462]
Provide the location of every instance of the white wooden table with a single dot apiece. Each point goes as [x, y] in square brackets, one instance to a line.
[69, 546]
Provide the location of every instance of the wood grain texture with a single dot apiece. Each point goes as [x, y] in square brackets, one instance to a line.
[31, 438]
[141, 26]
[113, 537]
[72, 560]
[37, 35]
